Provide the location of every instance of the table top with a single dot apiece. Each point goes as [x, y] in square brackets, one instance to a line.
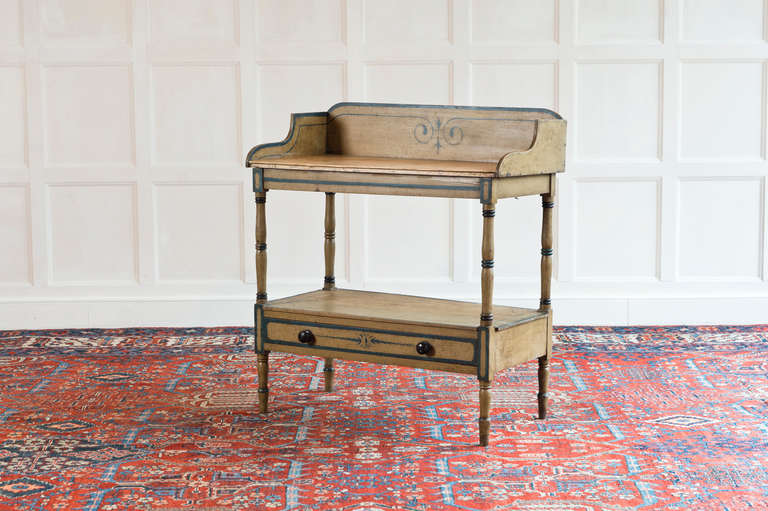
[381, 165]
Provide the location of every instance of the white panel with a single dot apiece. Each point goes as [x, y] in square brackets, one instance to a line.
[300, 20]
[196, 114]
[409, 83]
[88, 115]
[513, 21]
[295, 227]
[14, 231]
[617, 110]
[210, 22]
[531, 85]
[721, 108]
[616, 229]
[406, 20]
[10, 23]
[85, 22]
[601, 21]
[13, 117]
[409, 237]
[199, 231]
[720, 223]
[284, 90]
[92, 233]
[722, 20]
[80, 106]
[517, 240]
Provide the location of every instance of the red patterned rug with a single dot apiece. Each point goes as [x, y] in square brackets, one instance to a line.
[641, 418]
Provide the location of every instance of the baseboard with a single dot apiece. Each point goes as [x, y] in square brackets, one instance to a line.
[229, 311]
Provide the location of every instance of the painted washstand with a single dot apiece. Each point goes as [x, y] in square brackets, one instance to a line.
[477, 153]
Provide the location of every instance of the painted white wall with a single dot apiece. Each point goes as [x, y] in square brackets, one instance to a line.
[124, 123]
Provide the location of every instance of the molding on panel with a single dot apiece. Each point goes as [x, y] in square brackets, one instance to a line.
[763, 228]
[51, 279]
[449, 35]
[29, 282]
[658, 41]
[155, 42]
[240, 190]
[236, 66]
[48, 162]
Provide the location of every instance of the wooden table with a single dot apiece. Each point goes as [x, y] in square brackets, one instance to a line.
[477, 153]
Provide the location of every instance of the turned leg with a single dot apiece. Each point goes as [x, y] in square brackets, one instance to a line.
[330, 240]
[484, 422]
[261, 247]
[328, 374]
[330, 280]
[261, 292]
[486, 313]
[486, 271]
[543, 386]
[263, 363]
[545, 303]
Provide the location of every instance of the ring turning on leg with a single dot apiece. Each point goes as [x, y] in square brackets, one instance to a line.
[543, 386]
[484, 422]
[263, 365]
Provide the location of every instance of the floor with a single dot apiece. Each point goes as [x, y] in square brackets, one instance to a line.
[641, 418]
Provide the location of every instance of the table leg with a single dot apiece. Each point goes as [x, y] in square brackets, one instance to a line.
[261, 292]
[486, 313]
[484, 422]
[545, 303]
[330, 280]
[263, 364]
[486, 272]
[328, 374]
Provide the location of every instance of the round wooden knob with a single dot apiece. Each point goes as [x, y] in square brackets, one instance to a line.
[306, 337]
[424, 348]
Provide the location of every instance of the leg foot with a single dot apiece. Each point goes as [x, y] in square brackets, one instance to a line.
[263, 365]
[543, 386]
[328, 374]
[485, 407]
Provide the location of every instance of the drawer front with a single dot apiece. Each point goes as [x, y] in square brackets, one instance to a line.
[396, 343]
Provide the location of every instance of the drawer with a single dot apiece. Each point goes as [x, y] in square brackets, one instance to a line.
[395, 342]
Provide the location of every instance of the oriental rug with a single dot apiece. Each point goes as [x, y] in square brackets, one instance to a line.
[641, 418]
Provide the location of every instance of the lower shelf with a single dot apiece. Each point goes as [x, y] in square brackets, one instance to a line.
[405, 330]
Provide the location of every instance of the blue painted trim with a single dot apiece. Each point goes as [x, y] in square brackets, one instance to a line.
[486, 187]
[483, 343]
[376, 353]
[361, 329]
[260, 329]
[258, 179]
[287, 139]
[277, 144]
[391, 185]
[449, 107]
[266, 339]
